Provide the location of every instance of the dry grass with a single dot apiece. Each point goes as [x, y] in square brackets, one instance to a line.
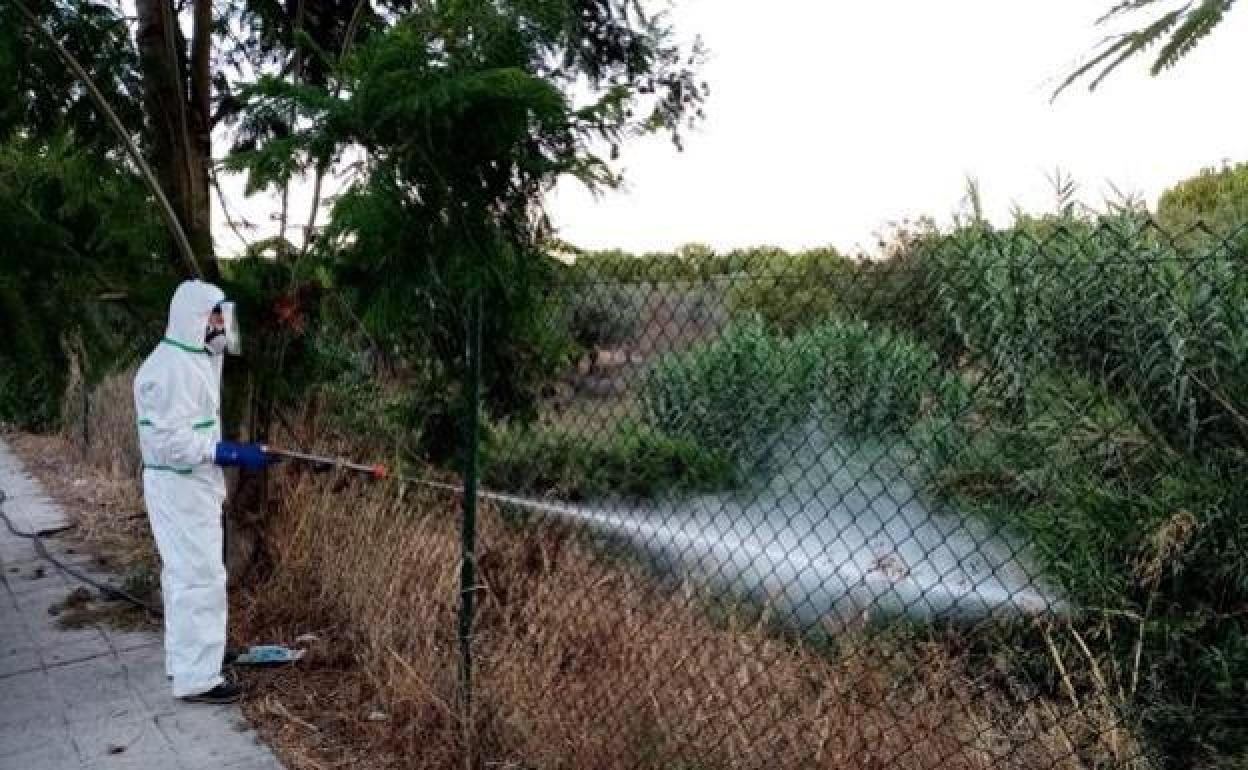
[97, 480]
[579, 663]
[584, 665]
[110, 442]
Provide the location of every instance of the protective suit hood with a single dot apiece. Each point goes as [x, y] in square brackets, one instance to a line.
[189, 309]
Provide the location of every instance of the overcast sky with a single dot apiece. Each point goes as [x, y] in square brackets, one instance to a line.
[828, 119]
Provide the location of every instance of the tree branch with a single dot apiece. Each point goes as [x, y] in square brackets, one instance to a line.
[166, 209]
[225, 211]
[321, 167]
[298, 73]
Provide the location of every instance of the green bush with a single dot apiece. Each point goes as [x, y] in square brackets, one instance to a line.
[1213, 205]
[866, 380]
[743, 390]
[1066, 478]
[1098, 416]
[602, 314]
[793, 291]
[737, 393]
[390, 412]
[697, 262]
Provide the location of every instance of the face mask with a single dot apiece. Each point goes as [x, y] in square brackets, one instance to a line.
[216, 343]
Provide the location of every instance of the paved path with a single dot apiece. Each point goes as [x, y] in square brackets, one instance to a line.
[94, 698]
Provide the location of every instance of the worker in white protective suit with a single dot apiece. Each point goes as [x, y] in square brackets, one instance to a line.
[177, 396]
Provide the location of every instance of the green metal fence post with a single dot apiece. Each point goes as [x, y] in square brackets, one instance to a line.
[468, 560]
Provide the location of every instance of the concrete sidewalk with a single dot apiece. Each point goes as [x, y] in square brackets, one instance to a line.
[92, 698]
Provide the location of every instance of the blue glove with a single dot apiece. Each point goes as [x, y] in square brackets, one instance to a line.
[243, 455]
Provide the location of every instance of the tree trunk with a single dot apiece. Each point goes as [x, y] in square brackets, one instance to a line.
[177, 84]
[177, 99]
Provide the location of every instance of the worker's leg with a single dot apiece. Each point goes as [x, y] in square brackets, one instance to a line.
[186, 522]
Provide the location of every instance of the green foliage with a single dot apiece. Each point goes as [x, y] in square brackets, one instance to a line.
[74, 228]
[1165, 328]
[1214, 203]
[898, 289]
[1127, 526]
[1065, 476]
[626, 459]
[698, 262]
[1178, 31]
[602, 315]
[743, 390]
[40, 98]
[793, 291]
[466, 115]
[1104, 362]
[340, 370]
[866, 381]
[623, 267]
[77, 222]
[737, 392]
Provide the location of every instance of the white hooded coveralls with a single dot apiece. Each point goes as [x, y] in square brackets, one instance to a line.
[177, 397]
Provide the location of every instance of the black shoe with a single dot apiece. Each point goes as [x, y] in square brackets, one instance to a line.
[222, 693]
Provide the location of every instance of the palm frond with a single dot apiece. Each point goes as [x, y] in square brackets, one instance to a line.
[1178, 31]
[1121, 48]
[1195, 28]
[1124, 8]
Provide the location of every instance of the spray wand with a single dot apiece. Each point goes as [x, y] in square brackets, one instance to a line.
[377, 472]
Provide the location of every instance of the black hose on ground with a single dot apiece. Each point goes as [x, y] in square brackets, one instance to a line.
[107, 591]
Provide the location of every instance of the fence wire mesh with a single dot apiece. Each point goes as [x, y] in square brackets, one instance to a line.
[977, 504]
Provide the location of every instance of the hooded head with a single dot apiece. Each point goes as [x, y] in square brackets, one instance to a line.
[189, 309]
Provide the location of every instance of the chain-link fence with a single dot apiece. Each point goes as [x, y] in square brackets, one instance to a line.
[96, 412]
[975, 504]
